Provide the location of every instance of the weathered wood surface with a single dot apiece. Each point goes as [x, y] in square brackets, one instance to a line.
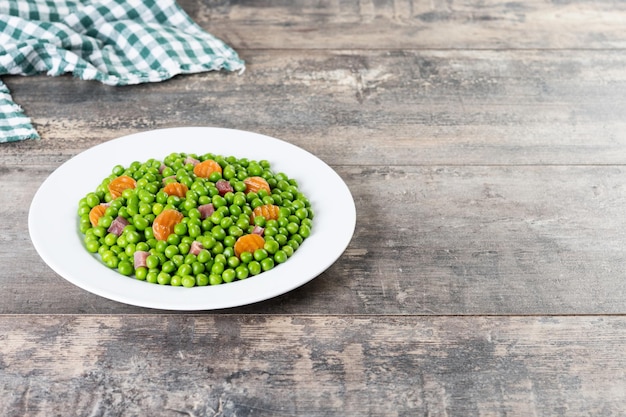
[502, 195]
[412, 24]
[485, 146]
[429, 240]
[240, 365]
[362, 108]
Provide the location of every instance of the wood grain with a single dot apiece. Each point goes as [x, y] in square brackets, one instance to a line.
[428, 240]
[484, 145]
[313, 365]
[410, 24]
[370, 107]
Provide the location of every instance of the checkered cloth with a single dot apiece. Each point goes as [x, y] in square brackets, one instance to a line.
[116, 42]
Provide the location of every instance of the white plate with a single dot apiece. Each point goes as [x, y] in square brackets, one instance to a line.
[54, 230]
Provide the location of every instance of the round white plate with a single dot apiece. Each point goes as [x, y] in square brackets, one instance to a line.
[53, 224]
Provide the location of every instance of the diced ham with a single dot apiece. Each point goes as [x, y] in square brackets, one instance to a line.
[206, 210]
[139, 258]
[161, 168]
[223, 186]
[196, 247]
[192, 161]
[258, 230]
[118, 225]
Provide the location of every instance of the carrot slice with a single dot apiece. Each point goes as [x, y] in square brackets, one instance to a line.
[176, 188]
[95, 213]
[269, 211]
[205, 168]
[254, 184]
[164, 223]
[248, 243]
[119, 184]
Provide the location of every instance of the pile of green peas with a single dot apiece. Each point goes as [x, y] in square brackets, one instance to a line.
[170, 261]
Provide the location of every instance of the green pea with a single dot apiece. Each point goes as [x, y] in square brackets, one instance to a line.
[229, 275]
[217, 268]
[304, 231]
[204, 256]
[219, 201]
[218, 248]
[110, 239]
[202, 280]
[140, 222]
[125, 268]
[99, 231]
[235, 210]
[293, 228]
[168, 266]
[229, 241]
[239, 199]
[242, 272]
[267, 264]
[280, 256]
[193, 213]
[281, 239]
[271, 247]
[194, 230]
[152, 277]
[92, 200]
[152, 261]
[216, 217]
[141, 273]
[105, 221]
[229, 172]
[215, 279]
[233, 261]
[171, 250]
[84, 210]
[180, 229]
[164, 278]
[197, 268]
[270, 231]
[184, 269]
[246, 257]
[188, 281]
[288, 250]
[215, 176]
[243, 222]
[176, 281]
[254, 268]
[184, 247]
[92, 246]
[178, 260]
[218, 233]
[111, 262]
[173, 239]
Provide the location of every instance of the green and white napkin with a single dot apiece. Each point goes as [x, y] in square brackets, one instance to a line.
[116, 42]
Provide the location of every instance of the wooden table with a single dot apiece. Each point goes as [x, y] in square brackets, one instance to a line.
[484, 144]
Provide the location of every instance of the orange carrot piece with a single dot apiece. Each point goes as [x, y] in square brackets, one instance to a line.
[95, 213]
[176, 188]
[269, 211]
[164, 223]
[248, 243]
[205, 168]
[119, 184]
[254, 184]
